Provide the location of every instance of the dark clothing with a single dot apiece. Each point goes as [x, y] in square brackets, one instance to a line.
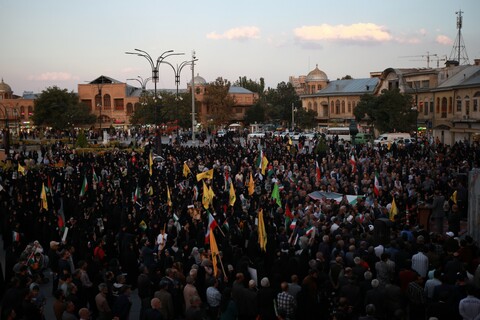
[152, 314]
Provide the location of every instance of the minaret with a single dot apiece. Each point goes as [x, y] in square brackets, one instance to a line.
[459, 52]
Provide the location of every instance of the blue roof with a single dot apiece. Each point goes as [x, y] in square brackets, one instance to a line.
[465, 76]
[349, 87]
[238, 90]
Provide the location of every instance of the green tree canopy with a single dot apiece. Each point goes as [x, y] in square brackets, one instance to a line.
[280, 101]
[219, 103]
[391, 111]
[60, 109]
[255, 113]
[254, 86]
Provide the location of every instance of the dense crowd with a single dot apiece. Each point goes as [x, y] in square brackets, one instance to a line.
[109, 223]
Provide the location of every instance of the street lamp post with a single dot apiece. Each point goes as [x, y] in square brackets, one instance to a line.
[141, 81]
[154, 64]
[177, 70]
[293, 116]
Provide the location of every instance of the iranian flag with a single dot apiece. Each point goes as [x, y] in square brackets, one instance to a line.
[353, 163]
[293, 225]
[376, 186]
[136, 195]
[259, 160]
[318, 172]
[309, 230]
[84, 188]
[212, 224]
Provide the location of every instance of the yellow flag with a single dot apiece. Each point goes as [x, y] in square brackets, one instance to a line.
[214, 251]
[262, 235]
[264, 164]
[43, 197]
[21, 169]
[169, 199]
[150, 163]
[186, 169]
[205, 175]
[454, 197]
[393, 210]
[150, 191]
[251, 185]
[205, 196]
[232, 197]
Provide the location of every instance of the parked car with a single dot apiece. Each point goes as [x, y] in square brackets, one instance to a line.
[362, 138]
[256, 135]
[404, 142]
[221, 133]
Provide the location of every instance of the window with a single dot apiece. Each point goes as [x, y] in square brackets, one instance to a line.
[118, 104]
[425, 84]
[432, 107]
[107, 102]
[337, 107]
[467, 105]
[459, 104]
[22, 112]
[425, 108]
[30, 111]
[444, 108]
[129, 108]
[349, 107]
[343, 107]
[98, 102]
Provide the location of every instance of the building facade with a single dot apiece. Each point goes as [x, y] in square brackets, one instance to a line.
[447, 99]
[15, 111]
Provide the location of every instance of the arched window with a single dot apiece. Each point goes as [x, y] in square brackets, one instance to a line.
[450, 105]
[438, 106]
[459, 104]
[315, 107]
[98, 102]
[107, 102]
[30, 111]
[467, 105]
[332, 109]
[343, 107]
[22, 112]
[129, 108]
[476, 101]
[349, 107]
[309, 106]
[444, 108]
[337, 107]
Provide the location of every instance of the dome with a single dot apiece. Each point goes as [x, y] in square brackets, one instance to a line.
[316, 75]
[5, 87]
[199, 81]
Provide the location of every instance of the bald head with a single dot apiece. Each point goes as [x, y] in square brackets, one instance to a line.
[156, 303]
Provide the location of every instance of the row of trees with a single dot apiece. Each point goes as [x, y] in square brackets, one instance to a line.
[389, 111]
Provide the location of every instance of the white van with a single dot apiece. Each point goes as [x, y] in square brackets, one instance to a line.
[385, 138]
[343, 133]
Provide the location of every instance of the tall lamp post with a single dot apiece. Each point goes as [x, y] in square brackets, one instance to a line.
[293, 116]
[177, 70]
[154, 64]
[141, 81]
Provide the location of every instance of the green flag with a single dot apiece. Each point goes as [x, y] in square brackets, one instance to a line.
[276, 195]
[84, 188]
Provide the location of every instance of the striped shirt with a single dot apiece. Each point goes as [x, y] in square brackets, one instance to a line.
[420, 264]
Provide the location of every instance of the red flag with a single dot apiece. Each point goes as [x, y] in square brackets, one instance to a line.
[318, 173]
[288, 212]
[212, 224]
[353, 163]
[376, 186]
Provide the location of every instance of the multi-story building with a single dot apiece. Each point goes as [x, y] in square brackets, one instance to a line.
[447, 99]
[334, 101]
[15, 111]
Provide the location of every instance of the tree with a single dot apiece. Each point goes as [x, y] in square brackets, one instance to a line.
[305, 119]
[280, 101]
[389, 112]
[254, 86]
[255, 113]
[60, 109]
[219, 103]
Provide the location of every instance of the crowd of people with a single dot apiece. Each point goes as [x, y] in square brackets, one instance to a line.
[109, 223]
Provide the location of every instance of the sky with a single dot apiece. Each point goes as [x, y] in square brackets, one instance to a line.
[66, 43]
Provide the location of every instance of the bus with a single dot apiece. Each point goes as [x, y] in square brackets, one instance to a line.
[343, 133]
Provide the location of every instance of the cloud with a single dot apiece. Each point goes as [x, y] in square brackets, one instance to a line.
[357, 33]
[445, 40]
[240, 33]
[53, 76]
